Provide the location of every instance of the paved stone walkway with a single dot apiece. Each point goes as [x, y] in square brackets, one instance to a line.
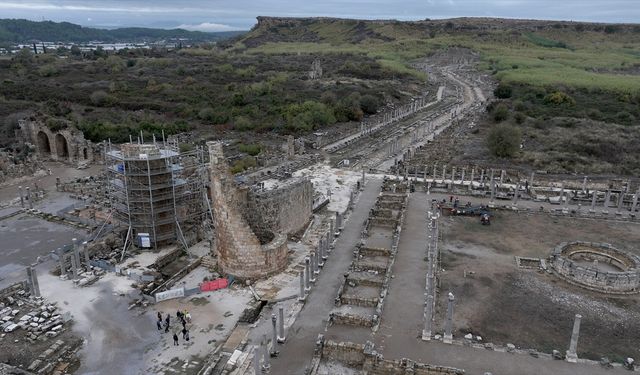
[295, 354]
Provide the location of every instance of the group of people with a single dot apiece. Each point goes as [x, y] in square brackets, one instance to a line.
[183, 316]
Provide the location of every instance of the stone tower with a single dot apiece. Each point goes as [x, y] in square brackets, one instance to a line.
[241, 252]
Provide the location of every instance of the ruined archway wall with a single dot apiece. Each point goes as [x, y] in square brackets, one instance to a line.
[74, 138]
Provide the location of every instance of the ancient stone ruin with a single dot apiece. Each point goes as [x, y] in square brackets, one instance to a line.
[65, 145]
[597, 266]
[251, 226]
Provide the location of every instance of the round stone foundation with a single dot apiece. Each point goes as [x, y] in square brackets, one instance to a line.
[597, 266]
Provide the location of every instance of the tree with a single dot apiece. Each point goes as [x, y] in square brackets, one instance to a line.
[502, 91]
[504, 140]
[369, 104]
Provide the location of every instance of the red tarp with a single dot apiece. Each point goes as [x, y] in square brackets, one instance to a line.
[214, 285]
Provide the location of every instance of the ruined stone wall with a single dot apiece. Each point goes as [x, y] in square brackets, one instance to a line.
[66, 145]
[285, 209]
[627, 281]
[239, 250]
[365, 358]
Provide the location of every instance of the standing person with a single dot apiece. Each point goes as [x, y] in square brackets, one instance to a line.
[175, 339]
[186, 336]
[184, 332]
[179, 314]
[188, 317]
[159, 315]
[166, 327]
[168, 319]
[159, 324]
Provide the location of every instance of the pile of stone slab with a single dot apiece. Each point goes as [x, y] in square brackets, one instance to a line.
[31, 314]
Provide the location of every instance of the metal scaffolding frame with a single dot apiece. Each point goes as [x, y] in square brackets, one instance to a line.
[156, 189]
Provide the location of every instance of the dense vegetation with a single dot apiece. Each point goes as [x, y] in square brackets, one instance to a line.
[24, 31]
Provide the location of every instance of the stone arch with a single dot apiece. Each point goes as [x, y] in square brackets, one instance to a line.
[44, 146]
[62, 146]
[85, 153]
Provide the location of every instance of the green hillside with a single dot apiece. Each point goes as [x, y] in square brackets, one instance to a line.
[22, 31]
[538, 53]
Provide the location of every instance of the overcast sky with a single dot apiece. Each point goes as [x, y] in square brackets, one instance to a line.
[220, 15]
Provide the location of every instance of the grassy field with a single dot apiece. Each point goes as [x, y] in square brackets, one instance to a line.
[550, 56]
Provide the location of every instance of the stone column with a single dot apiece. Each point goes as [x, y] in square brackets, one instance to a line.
[266, 363]
[85, 252]
[302, 289]
[462, 177]
[493, 190]
[76, 252]
[515, 194]
[328, 242]
[74, 267]
[307, 273]
[428, 312]
[21, 196]
[363, 179]
[316, 262]
[453, 175]
[29, 198]
[281, 336]
[502, 174]
[63, 268]
[572, 355]
[448, 326]
[444, 173]
[274, 338]
[482, 178]
[473, 173]
[634, 203]
[312, 268]
[584, 184]
[594, 196]
[620, 202]
[256, 360]
[435, 167]
[331, 227]
[607, 197]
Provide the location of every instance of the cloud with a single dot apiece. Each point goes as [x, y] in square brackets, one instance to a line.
[208, 27]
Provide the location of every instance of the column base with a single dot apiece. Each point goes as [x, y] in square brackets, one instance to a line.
[426, 336]
[302, 299]
[572, 357]
[447, 339]
[281, 340]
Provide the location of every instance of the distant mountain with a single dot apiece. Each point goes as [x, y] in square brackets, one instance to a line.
[22, 31]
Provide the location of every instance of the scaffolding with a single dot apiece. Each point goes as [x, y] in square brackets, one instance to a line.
[157, 191]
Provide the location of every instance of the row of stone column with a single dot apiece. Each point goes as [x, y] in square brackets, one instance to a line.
[316, 260]
[432, 267]
[367, 126]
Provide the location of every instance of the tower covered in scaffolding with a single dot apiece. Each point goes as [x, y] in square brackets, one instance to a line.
[158, 191]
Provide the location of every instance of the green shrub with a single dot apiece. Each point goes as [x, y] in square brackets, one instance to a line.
[503, 91]
[369, 104]
[48, 70]
[559, 98]
[251, 149]
[242, 123]
[243, 164]
[99, 98]
[504, 140]
[500, 112]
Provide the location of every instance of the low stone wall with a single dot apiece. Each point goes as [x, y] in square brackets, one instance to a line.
[623, 282]
[374, 251]
[353, 320]
[383, 222]
[351, 299]
[365, 358]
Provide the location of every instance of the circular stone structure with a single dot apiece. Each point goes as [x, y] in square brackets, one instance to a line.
[597, 266]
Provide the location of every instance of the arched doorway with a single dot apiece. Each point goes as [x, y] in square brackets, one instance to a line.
[61, 146]
[85, 154]
[43, 143]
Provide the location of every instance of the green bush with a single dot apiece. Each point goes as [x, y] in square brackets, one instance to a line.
[559, 98]
[48, 70]
[242, 123]
[500, 112]
[502, 91]
[369, 104]
[99, 98]
[308, 116]
[504, 140]
[243, 164]
[251, 149]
